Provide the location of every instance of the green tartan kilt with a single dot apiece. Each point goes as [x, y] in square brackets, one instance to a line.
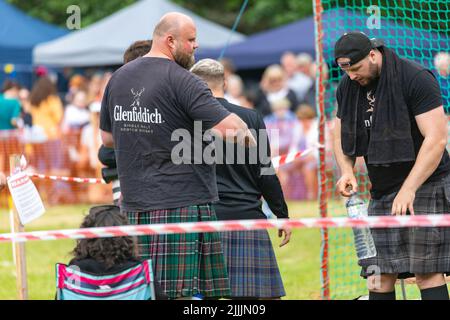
[184, 264]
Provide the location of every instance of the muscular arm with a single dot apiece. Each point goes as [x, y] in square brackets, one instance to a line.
[344, 162]
[107, 139]
[233, 129]
[433, 126]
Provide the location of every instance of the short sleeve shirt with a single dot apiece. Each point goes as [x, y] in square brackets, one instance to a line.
[155, 109]
[422, 94]
[9, 110]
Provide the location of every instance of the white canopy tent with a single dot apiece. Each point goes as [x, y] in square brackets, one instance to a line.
[104, 42]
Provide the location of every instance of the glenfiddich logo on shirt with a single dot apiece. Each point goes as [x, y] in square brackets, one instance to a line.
[137, 113]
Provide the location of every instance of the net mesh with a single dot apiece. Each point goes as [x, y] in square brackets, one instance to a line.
[65, 157]
[417, 30]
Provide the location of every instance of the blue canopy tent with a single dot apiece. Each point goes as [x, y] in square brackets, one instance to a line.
[19, 33]
[264, 48]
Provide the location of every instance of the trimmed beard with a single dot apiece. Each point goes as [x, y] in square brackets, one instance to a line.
[184, 60]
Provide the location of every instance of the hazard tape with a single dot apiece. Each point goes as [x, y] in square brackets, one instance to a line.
[290, 157]
[69, 179]
[276, 161]
[231, 225]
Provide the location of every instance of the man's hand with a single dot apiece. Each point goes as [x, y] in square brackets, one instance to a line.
[403, 202]
[2, 181]
[248, 139]
[287, 235]
[347, 180]
[243, 137]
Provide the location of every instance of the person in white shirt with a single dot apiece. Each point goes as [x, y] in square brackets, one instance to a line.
[76, 114]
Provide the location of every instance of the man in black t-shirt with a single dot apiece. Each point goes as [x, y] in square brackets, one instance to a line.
[148, 106]
[390, 112]
[241, 183]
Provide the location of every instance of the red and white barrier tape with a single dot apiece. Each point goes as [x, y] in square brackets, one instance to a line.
[276, 161]
[70, 179]
[232, 225]
[290, 157]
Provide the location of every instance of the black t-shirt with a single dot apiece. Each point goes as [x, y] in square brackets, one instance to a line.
[145, 101]
[421, 92]
[241, 181]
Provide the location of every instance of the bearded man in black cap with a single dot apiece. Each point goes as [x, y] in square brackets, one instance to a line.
[390, 112]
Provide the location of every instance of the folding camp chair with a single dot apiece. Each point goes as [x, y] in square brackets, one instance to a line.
[135, 283]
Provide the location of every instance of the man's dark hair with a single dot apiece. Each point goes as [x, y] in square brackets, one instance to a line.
[109, 251]
[136, 50]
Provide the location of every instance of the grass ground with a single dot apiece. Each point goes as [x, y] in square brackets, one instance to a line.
[299, 261]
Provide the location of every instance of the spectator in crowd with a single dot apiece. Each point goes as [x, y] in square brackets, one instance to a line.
[229, 68]
[234, 90]
[24, 98]
[77, 82]
[94, 89]
[137, 49]
[304, 64]
[310, 96]
[76, 115]
[47, 113]
[283, 122]
[104, 256]
[248, 99]
[308, 137]
[46, 109]
[9, 105]
[273, 88]
[9, 122]
[442, 65]
[281, 125]
[297, 81]
[87, 162]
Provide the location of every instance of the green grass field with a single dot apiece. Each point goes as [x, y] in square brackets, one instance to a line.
[299, 261]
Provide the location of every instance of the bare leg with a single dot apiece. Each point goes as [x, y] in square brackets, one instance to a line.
[429, 280]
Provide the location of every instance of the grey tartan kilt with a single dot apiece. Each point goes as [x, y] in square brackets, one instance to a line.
[407, 251]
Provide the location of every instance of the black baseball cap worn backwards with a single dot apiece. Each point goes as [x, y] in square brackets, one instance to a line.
[355, 46]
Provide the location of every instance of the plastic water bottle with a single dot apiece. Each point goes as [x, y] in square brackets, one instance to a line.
[197, 296]
[357, 209]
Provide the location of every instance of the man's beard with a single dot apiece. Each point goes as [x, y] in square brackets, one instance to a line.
[374, 72]
[184, 60]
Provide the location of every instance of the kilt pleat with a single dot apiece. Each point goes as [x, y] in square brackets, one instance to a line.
[184, 264]
[407, 251]
[252, 265]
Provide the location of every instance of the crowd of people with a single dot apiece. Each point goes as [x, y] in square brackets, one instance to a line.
[58, 135]
[54, 130]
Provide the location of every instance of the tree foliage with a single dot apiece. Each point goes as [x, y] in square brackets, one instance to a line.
[55, 11]
[259, 14]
